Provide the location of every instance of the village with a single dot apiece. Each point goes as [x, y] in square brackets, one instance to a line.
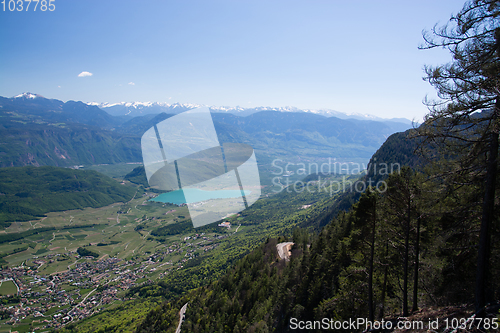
[89, 285]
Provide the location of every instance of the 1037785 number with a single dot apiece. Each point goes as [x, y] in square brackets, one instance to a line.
[24, 5]
[468, 324]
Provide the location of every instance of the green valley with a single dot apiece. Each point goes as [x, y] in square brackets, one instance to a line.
[79, 263]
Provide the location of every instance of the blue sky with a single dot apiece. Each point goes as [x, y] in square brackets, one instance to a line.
[349, 56]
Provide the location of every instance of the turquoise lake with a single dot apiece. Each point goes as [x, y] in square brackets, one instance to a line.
[177, 197]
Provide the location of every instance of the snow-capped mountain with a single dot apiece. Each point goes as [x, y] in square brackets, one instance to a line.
[134, 109]
[28, 95]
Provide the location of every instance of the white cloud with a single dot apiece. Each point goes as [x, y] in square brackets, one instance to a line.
[132, 83]
[83, 74]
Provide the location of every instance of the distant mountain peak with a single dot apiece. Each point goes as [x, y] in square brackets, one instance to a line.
[28, 95]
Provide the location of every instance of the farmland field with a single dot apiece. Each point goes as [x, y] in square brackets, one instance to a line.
[113, 225]
[8, 288]
[120, 230]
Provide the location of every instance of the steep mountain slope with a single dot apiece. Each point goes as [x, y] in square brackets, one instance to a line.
[397, 151]
[39, 131]
[68, 145]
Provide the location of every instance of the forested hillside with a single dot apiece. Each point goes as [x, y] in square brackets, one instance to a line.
[27, 193]
[65, 145]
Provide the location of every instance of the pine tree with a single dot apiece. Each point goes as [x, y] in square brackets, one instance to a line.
[464, 123]
[367, 212]
[401, 199]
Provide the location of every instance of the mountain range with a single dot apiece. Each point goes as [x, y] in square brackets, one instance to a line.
[38, 131]
[142, 108]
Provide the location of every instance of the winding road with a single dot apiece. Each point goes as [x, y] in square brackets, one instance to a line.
[181, 318]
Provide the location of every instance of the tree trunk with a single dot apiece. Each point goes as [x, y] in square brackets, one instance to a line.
[384, 286]
[482, 283]
[415, 276]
